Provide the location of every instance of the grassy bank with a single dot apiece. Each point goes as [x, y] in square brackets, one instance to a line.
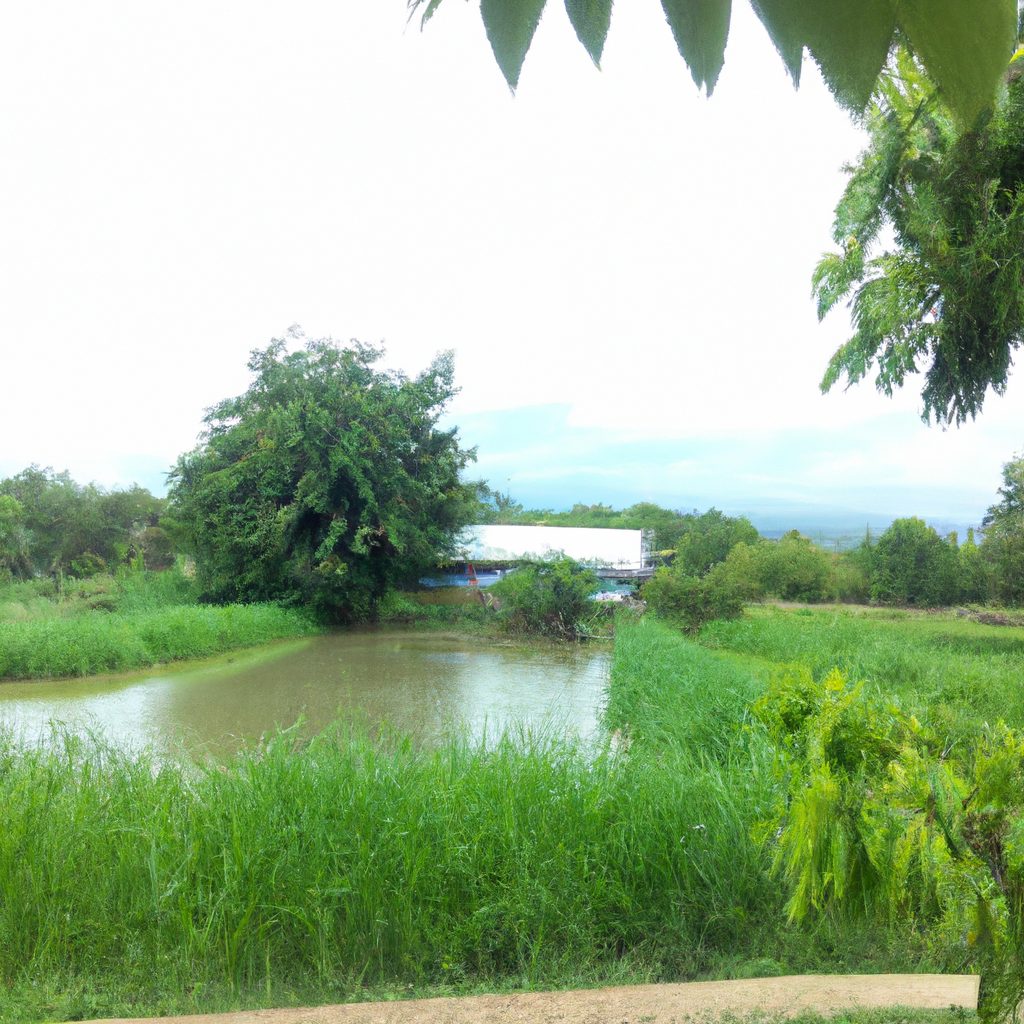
[948, 670]
[113, 625]
[345, 867]
[443, 608]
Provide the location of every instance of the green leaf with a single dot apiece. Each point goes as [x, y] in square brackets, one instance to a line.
[783, 21]
[414, 5]
[964, 45]
[510, 25]
[701, 28]
[429, 12]
[590, 19]
[849, 40]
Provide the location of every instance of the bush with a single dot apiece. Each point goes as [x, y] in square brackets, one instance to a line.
[914, 565]
[709, 538]
[448, 606]
[691, 601]
[551, 597]
[847, 581]
[978, 579]
[792, 569]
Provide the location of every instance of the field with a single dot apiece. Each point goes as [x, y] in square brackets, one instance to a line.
[347, 867]
[952, 672]
[105, 624]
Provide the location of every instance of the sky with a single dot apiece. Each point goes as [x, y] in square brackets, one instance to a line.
[620, 263]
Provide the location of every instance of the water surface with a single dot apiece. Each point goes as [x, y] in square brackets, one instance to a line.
[417, 683]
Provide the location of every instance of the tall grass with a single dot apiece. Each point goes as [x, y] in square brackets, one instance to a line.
[445, 607]
[105, 642]
[669, 691]
[138, 885]
[350, 859]
[949, 671]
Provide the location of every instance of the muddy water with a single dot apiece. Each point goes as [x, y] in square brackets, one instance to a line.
[425, 685]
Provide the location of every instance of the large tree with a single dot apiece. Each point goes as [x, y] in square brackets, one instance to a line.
[325, 483]
[946, 298]
[963, 44]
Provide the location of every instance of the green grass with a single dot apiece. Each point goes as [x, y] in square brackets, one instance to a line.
[141, 623]
[669, 691]
[445, 608]
[105, 624]
[951, 672]
[349, 867]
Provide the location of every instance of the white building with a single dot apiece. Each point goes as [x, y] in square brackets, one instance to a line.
[606, 549]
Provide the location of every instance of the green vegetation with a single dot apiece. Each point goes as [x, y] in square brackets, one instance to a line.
[443, 608]
[116, 643]
[107, 624]
[949, 671]
[702, 538]
[948, 298]
[717, 567]
[688, 600]
[963, 46]
[549, 598]
[52, 526]
[326, 484]
[897, 799]
[346, 866]
[329, 869]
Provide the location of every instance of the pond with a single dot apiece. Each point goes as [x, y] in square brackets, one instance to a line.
[421, 684]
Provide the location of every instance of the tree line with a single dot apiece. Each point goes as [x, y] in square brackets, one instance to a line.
[50, 525]
[330, 483]
[909, 564]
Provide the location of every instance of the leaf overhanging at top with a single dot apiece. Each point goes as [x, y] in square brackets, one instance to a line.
[700, 28]
[964, 45]
[848, 39]
[590, 19]
[510, 26]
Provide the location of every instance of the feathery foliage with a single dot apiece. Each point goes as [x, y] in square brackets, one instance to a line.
[948, 299]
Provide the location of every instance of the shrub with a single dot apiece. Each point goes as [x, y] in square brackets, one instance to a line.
[978, 580]
[691, 601]
[709, 538]
[792, 568]
[914, 565]
[551, 597]
[877, 818]
[847, 581]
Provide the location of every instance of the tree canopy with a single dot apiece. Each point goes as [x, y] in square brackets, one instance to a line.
[1004, 533]
[326, 483]
[962, 44]
[948, 299]
[49, 524]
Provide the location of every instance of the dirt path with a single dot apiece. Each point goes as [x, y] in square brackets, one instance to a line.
[634, 1003]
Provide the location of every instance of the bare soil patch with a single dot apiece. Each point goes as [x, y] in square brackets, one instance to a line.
[631, 1004]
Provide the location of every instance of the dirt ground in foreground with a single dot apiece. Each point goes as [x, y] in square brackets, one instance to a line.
[633, 1004]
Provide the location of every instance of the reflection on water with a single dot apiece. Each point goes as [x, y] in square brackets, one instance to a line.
[419, 684]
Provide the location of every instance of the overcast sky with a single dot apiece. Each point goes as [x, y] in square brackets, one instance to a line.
[621, 265]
